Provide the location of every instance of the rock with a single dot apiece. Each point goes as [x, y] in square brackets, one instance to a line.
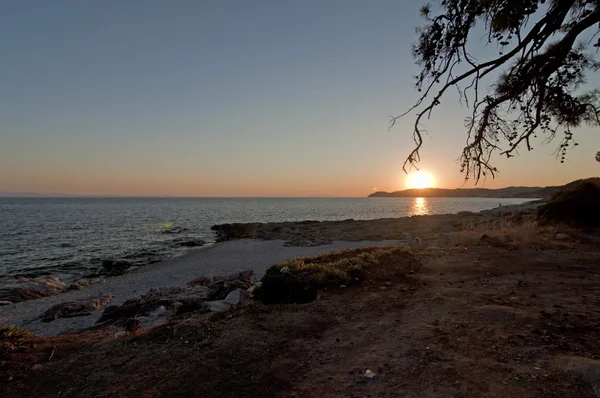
[237, 297]
[382, 287]
[75, 308]
[560, 236]
[158, 302]
[116, 267]
[218, 306]
[19, 288]
[222, 286]
[191, 243]
[78, 285]
[5, 302]
[202, 281]
[251, 289]
[492, 240]
[285, 270]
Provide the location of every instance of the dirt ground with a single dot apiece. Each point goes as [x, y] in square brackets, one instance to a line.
[456, 321]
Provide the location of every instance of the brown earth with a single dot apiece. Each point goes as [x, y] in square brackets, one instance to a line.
[475, 321]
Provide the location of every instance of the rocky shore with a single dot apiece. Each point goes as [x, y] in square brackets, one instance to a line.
[315, 233]
[197, 281]
[156, 292]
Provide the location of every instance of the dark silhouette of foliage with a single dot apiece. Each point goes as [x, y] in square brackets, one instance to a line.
[598, 156]
[575, 205]
[542, 59]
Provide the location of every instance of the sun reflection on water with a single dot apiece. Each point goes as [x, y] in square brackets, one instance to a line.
[420, 207]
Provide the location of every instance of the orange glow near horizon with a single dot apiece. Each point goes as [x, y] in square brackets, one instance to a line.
[420, 179]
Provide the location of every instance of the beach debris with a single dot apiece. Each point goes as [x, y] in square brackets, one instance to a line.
[561, 236]
[285, 270]
[73, 309]
[52, 353]
[369, 374]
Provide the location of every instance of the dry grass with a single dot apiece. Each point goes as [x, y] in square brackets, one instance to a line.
[507, 232]
[337, 267]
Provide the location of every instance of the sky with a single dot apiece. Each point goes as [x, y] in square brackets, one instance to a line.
[228, 98]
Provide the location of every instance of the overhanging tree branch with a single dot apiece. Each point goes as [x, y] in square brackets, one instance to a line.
[536, 93]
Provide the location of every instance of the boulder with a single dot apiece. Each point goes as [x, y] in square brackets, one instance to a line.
[73, 309]
[237, 297]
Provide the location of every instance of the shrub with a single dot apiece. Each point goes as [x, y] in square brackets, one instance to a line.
[577, 206]
[304, 276]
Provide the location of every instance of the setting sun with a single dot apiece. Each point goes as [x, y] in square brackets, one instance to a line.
[420, 179]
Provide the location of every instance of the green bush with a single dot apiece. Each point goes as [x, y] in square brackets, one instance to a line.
[305, 275]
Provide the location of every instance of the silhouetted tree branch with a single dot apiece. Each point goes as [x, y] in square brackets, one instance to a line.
[541, 73]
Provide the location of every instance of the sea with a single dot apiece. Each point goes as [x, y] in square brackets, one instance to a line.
[70, 238]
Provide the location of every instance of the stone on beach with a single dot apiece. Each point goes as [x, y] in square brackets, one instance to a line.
[217, 294]
[75, 308]
[237, 297]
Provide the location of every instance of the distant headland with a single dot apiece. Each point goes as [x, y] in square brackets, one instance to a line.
[508, 192]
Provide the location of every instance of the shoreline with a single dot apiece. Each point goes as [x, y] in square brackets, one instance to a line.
[220, 259]
[250, 246]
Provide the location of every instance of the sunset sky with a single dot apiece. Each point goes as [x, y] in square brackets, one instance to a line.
[228, 98]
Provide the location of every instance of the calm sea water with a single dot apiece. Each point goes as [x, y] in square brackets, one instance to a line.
[70, 237]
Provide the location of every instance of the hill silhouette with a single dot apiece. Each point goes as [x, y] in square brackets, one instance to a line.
[508, 192]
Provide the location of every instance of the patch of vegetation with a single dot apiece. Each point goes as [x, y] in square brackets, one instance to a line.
[297, 280]
[577, 205]
[13, 332]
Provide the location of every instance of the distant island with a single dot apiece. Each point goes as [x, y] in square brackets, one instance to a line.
[508, 192]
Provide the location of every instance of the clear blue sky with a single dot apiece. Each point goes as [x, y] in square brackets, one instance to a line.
[225, 98]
